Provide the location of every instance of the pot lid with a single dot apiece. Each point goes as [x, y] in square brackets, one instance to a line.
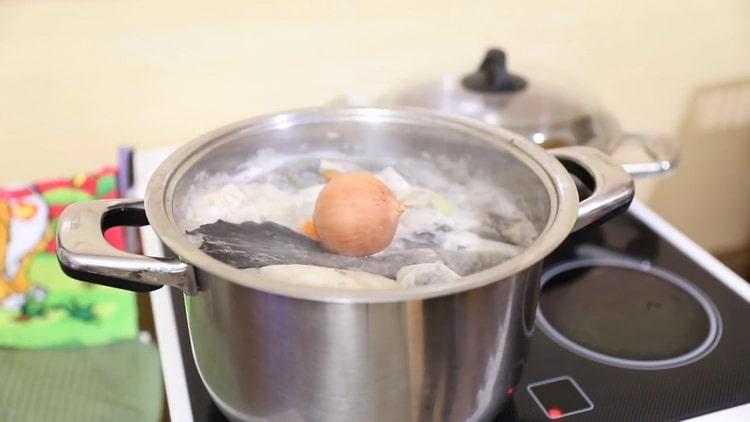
[545, 112]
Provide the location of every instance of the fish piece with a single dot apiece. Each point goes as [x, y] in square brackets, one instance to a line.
[255, 245]
[313, 276]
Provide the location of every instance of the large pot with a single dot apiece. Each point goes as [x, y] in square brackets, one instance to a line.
[553, 112]
[276, 351]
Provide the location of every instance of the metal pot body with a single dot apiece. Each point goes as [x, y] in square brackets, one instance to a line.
[269, 357]
[287, 352]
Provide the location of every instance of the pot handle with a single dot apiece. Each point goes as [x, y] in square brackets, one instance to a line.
[661, 151]
[612, 187]
[85, 255]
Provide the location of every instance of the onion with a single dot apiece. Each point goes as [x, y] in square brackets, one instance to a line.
[356, 215]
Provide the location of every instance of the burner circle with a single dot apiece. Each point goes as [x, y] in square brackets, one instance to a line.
[660, 320]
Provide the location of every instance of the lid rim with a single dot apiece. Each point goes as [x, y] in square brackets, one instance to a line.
[559, 185]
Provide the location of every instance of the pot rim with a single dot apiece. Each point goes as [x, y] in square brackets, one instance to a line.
[560, 187]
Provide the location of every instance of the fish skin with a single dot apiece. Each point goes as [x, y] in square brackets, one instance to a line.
[254, 245]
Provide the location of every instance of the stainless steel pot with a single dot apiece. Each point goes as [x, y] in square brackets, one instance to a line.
[277, 351]
[552, 112]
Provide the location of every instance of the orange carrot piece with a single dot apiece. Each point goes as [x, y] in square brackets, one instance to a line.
[331, 174]
[308, 228]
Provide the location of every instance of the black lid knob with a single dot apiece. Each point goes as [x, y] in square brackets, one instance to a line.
[493, 76]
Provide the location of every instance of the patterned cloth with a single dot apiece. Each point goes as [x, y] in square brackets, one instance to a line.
[40, 307]
[116, 382]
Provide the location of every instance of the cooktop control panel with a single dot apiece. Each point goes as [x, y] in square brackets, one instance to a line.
[559, 397]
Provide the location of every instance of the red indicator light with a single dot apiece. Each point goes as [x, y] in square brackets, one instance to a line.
[510, 391]
[554, 413]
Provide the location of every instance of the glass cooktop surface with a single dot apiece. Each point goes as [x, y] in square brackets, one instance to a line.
[627, 328]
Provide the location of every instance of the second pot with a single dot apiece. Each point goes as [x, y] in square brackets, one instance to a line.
[553, 113]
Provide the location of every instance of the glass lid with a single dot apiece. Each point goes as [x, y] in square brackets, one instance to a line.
[551, 114]
[331, 202]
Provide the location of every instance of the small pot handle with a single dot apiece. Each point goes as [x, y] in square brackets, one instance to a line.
[661, 151]
[612, 187]
[85, 255]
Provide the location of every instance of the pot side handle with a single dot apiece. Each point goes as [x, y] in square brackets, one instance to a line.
[84, 253]
[661, 151]
[612, 187]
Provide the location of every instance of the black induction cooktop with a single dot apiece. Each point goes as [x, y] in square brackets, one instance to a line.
[628, 329]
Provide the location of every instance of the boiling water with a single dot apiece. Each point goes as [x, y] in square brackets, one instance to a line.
[452, 211]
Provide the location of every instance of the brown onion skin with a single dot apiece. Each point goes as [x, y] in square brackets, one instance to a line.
[356, 215]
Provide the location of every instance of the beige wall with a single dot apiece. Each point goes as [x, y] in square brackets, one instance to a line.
[78, 78]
